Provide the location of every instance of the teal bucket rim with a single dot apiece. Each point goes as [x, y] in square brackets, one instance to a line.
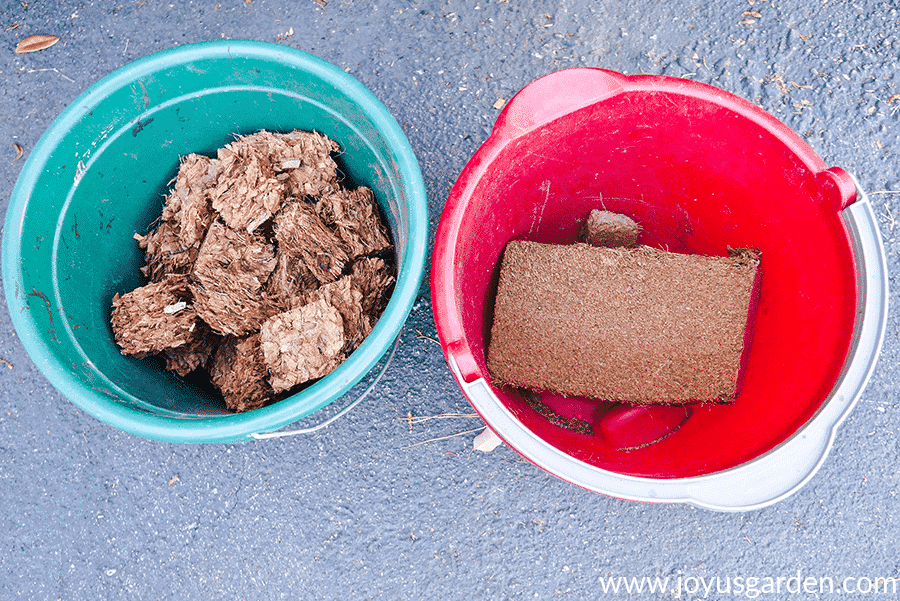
[241, 426]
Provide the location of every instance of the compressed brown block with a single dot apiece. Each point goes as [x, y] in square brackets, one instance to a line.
[155, 317]
[302, 344]
[629, 325]
[228, 279]
[301, 234]
[355, 218]
[604, 228]
[237, 369]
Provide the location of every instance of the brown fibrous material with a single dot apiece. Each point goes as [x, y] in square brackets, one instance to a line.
[354, 217]
[344, 296]
[165, 252]
[195, 354]
[302, 344]
[172, 246]
[610, 230]
[301, 234]
[249, 192]
[262, 169]
[187, 205]
[375, 279]
[259, 247]
[155, 317]
[239, 372]
[635, 325]
[228, 279]
[291, 281]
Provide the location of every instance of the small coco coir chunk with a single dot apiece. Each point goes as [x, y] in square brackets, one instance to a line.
[634, 325]
[195, 354]
[344, 296]
[375, 279]
[301, 233]
[172, 246]
[228, 278]
[155, 318]
[609, 230]
[302, 344]
[261, 170]
[353, 214]
[239, 371]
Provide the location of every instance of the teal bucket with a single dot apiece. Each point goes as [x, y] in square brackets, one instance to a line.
[99, 174]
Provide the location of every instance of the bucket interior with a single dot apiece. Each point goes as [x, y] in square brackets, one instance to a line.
[100, 175]
[699, 177]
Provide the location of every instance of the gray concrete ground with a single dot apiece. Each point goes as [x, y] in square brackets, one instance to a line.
[89, 512]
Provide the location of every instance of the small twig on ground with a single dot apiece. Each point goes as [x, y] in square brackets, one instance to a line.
[52, 69]
[422, 336]
[7, 363]
[421, 419]
[443, 437]
[889, 213]
[776, 77]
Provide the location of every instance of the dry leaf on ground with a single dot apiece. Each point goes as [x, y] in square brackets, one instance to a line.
[19, 152]
[33, 43]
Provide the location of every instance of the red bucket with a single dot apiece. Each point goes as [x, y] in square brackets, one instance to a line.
[701, 170]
